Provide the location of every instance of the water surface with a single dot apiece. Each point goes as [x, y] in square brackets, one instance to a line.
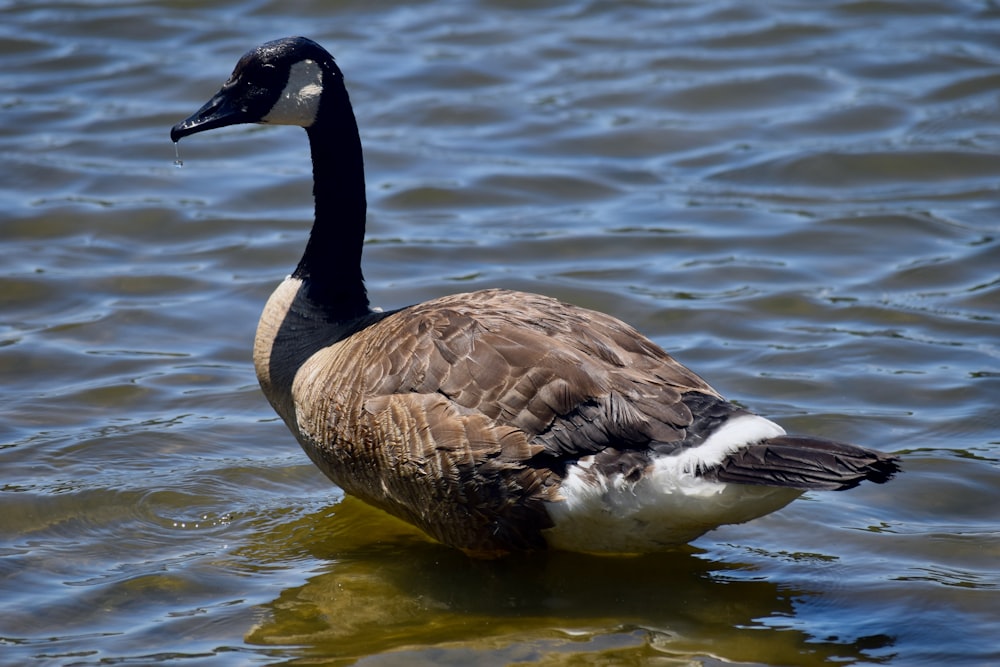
[798, 199]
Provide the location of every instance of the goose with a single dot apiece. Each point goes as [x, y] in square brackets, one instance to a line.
[495, 421]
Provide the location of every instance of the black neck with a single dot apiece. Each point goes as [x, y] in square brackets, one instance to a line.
[331, 264]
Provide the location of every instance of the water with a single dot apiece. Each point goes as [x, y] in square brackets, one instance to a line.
[799, 199]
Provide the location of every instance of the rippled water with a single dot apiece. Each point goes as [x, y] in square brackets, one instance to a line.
[802, 200]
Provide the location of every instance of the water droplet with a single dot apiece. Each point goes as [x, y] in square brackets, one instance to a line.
[178, 162]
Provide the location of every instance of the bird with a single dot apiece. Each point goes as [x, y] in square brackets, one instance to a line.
[498, 422]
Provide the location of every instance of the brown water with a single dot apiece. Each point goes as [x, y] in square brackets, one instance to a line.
[800, 199]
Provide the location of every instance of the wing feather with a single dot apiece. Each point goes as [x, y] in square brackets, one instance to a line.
[602, 385]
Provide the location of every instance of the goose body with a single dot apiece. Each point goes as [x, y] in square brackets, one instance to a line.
[496, 421]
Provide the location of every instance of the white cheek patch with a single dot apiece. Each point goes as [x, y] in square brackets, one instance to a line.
[299, 101]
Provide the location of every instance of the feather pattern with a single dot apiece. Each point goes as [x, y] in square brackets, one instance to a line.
[804, 463]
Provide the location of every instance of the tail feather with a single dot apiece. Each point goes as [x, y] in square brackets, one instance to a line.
[804, 463]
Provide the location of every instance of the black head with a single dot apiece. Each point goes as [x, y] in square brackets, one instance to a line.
[280, 82]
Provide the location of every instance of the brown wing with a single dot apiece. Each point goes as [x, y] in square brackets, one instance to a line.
[455, 414]
[573, 380]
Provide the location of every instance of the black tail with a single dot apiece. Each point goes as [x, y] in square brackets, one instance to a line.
[805, 463]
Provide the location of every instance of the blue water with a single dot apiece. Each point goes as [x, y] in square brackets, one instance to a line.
[800, 200]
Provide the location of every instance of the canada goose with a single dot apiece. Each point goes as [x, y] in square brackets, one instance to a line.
[496, 421]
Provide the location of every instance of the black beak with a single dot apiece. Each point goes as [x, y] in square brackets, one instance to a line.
[222, 110]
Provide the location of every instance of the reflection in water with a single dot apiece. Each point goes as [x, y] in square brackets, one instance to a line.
[386, 589]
